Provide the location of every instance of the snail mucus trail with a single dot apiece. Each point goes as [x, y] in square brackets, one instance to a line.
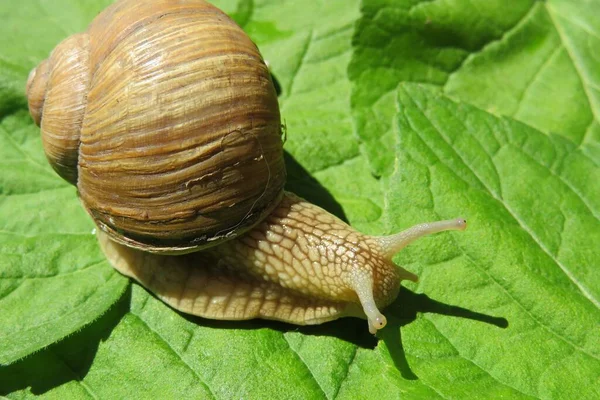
[138, 106]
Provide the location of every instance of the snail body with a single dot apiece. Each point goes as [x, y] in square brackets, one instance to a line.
[164, 116]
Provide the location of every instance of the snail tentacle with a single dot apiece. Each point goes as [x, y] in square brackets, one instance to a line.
[363, 284]
[392, 244]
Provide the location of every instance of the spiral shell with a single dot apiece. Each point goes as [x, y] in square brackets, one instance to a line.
[164, 116]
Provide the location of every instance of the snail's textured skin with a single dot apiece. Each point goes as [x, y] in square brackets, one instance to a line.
[300, 265]
[164, 116]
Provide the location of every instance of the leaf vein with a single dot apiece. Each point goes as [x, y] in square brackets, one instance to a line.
[305, 365]
[566, 183]
[555, 53]
[472, 54]
[346, 373]
[26, 156]
[54, 275]
[76, 375]
[303, 53]
[458, 354]
[72, 310]
[179, 356]
[580, 74]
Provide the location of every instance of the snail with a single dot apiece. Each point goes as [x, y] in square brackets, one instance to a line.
[164, 116]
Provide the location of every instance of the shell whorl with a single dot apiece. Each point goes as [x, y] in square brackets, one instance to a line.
[57, 91]
[37, 82]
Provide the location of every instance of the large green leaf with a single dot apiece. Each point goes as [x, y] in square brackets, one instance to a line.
[532, 60]
[509, 308]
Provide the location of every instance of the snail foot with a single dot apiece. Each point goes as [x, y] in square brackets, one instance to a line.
[200, 285]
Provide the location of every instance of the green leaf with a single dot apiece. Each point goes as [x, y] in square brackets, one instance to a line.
[532, 61]
[524, 257]
[53, 278]
[502, 130]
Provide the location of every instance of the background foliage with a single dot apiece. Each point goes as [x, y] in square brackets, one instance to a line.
[398, 112]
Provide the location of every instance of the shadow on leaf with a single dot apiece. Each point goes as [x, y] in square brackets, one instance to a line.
[276, 84]
[65, 361]
[351, 330]
[301, 182]
[404, 311]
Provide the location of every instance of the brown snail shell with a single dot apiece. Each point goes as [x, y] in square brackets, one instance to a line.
[164, 116]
